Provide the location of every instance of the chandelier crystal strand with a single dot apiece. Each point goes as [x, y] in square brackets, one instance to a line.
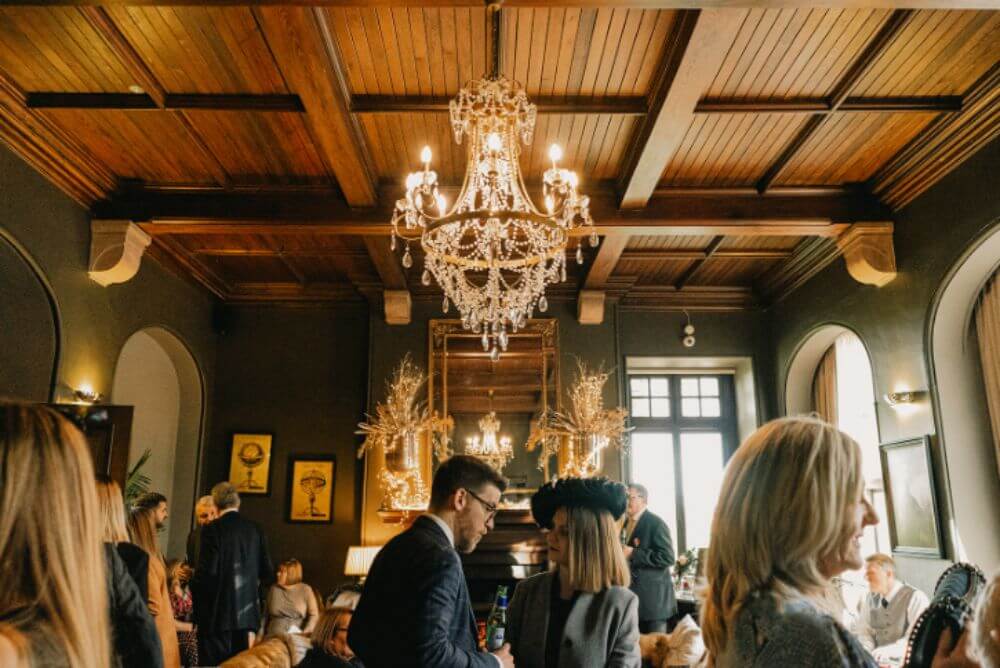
[492, 252]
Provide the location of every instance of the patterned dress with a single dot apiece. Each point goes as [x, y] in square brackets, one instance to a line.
[188, 640]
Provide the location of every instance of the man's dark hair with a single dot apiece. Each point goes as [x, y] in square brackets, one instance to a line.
[463, 471]
[640, 490]
[149, 500]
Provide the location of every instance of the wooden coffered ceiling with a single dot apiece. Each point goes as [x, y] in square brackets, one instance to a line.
[727, 151]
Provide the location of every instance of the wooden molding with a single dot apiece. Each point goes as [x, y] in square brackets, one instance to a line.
[387, 104]
[590, 307]
[139, 101]
[116, 248]
[668, 298]
[687, 254]
[693, 269]
[811, 256]
[869, 253]
[398, 307]
[822, 105]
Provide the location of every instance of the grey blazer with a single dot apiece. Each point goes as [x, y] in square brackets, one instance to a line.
[602, 629]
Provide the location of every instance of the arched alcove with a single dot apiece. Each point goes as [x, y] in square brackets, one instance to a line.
[960, 404]
[157, 374]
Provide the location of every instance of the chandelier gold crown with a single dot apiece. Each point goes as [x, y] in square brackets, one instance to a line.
[492, 251]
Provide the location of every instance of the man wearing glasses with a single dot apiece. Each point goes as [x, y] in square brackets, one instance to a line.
[415, 608]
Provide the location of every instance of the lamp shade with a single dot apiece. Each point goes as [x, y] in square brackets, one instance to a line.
[359, 559]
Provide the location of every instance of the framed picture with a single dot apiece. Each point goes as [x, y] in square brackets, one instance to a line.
[250, 463]
[910, 499]
[310, 488]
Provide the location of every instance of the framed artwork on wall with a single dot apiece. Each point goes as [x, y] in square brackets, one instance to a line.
[910, 498]
[250, 463]
[310, 488]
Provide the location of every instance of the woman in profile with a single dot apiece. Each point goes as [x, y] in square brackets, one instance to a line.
[53, 583]
[291, 604]
[789, 518]
[580, 613]
[142, 529]
[329, 642]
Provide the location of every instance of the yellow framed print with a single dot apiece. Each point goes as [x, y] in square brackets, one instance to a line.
[310, 488]
[250, 463]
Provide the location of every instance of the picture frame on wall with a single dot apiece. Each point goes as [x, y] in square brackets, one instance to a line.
[311, 481]
[911, 501]
[250, 463]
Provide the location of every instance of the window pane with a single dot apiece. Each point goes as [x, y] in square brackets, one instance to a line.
[689, 387]
[701, 466]
[710, 408]
[640, 387]
[661, 407]
[640, 408]
[659, 387]
[709, 387]
[690, 408]
[652, 464]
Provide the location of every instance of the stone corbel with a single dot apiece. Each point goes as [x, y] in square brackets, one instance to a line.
[398, 306]
[590, 307]
[869, 253]
[116, 248]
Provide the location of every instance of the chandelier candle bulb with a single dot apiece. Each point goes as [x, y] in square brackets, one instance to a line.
[425, 157]
[555, 154]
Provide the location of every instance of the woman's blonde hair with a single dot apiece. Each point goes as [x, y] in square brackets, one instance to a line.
[112, 509]
[293, 571]
[52, 562]
[785, 512]
[326, 628]
[596, 560]
[986, 625]
[142, 531]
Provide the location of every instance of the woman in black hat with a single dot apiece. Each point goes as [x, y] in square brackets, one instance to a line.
[581, 612]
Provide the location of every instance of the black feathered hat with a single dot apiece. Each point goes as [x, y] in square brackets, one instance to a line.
[596, 493]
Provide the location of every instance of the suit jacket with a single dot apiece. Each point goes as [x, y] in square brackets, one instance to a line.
[134, 636]
[232, 566]
[415, 608]
[137, 562]
[602, 629]
[652, 557]
[193, 546]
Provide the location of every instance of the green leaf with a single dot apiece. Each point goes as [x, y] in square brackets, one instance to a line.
[137, 483]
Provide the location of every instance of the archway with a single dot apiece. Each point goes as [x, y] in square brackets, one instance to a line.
[959, 403]
[157, 375]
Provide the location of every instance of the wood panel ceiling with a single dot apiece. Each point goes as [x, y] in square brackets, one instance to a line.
[262, 145]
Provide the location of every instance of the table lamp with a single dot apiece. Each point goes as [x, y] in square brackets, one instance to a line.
[359, 560]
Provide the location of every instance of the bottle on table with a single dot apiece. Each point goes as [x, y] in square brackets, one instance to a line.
[496, 623]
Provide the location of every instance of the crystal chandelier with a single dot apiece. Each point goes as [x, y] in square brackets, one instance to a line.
[492, 251]
[495, 451]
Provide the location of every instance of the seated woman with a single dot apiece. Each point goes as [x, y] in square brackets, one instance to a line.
[329, 642]
[178, 576]
[53, 588]
[291, 604]
[789, 518]
[581, 612]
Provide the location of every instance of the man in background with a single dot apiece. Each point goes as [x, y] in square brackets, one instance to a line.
[886, 614]
[650, 554]
[204, 512]
[158, 504]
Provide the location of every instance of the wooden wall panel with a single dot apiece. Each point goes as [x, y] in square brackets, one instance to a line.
[54, 49]
[794, 52]
[729, 149]
[849, 148]
[201, 49]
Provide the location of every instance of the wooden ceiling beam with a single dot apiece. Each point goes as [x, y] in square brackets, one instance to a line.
[608, 254]
[139, 101]
[698, 46]
[306, 54]
[683, 255]
[233, 251]
[387, 104]
[624, 4]
[386, 263]
[868, 56]
[693, 298]
[688, 274]
[821, 105]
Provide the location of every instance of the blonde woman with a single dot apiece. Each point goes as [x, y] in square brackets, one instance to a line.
[291, 604]
[789, 519]
[329, 642]
[142, 529]
[580, 613]
[53, 584]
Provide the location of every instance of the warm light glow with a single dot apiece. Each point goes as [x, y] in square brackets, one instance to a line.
[85, 394]
[412, 180]
[494, 450]
[549, 203]
[425, 155]
[493, 142]
[555, 153]
[359, 559]
[574, 180]
[442, 203]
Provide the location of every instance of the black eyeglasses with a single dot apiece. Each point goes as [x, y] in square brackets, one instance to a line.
[491, 509]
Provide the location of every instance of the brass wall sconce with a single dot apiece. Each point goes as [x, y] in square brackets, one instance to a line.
[904, 397]
[85, 394]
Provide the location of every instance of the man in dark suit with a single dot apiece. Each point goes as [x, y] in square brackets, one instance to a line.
[415, 608]
[232, 565]
[650, 554]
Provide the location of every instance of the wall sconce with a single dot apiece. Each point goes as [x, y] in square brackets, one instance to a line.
[904, 397]
[85, 394]
[359, 560]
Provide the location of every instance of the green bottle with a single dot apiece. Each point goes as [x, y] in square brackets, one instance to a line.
[496, 623]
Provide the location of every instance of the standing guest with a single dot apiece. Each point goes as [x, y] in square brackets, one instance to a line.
[233, 563]
[157, 503]
[291, 604]
[789, 519]
[887, 614]
[415, 608]
[204, 512]
[329, 642]
[650, 554]
[581, 613]
[986, 625]
[53, 586]
[178, 575]
[142, 529]
[136, 642]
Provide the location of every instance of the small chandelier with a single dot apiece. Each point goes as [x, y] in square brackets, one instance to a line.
[492, 251]
[495, 451]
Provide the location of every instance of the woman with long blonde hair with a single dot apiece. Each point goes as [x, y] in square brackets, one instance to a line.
[53, 582]
[142, 530]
